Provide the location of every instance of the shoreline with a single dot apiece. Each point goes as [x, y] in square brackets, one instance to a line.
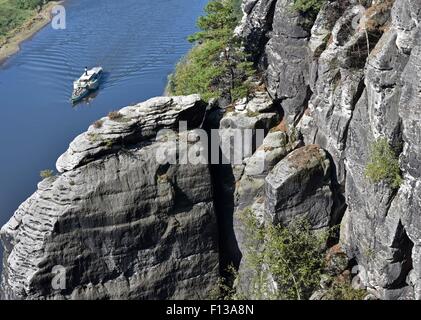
[27, 30]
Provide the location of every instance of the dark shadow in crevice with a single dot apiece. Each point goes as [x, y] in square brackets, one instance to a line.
[223, 182]
[338, 191]
[402, 255]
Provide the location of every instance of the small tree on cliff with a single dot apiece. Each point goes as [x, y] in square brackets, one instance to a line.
[291, 256]
[217, 65]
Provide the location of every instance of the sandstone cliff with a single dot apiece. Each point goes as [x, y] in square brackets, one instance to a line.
[344, 81]
[124, 226]
[120, 224]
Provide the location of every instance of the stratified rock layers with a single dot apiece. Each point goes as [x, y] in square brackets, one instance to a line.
[121, 224]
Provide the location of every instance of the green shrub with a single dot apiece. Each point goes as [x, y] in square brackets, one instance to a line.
[384, 164]
[98, 124]
[198, 71]
[225, 287]
[295, 259]
[11, 17]
[311, 7]
[344, 291]
[220, 20]
[293, 256]
[44, 174]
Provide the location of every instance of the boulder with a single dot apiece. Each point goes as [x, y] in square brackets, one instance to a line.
[298, 187]
[118, 224]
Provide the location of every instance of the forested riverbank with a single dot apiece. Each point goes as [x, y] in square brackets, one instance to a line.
[19, 20]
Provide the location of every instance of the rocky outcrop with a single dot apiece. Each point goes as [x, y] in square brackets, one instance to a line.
[241, 131]
[299, 188]
[249, 192]
[256, 23]
[119, 223]
[358, 69]
[287, 60]
[375, 231]
[123, 225]
[133, 125]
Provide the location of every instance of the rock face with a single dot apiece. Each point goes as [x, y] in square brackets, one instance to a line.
[292, 187]
[123, 225]
[344, 88]
[277, 37]
[120, 223]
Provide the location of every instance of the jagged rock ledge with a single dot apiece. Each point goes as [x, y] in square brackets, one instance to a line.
[137, 124]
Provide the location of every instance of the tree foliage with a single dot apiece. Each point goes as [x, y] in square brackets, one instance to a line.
[196, 73]
[28, 4]
[218, 23]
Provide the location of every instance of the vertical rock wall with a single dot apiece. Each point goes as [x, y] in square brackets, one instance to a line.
[360, 86]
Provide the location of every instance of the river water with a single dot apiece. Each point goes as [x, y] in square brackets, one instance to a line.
[137, 42]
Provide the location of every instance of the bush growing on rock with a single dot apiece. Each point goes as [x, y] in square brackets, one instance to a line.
[384, 164]
[292, 256]
[44, 174]
[311, 7]
[225, 287]
[196, 73]
[115, 115]
[289, 263]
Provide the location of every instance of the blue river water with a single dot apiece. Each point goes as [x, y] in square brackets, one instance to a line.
[137, 42]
